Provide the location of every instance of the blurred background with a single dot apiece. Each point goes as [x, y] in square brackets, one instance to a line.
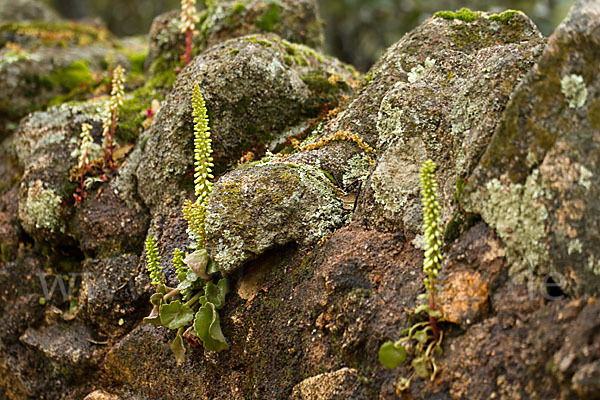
[356, 31]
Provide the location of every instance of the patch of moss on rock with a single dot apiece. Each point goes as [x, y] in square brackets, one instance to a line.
[464, 14]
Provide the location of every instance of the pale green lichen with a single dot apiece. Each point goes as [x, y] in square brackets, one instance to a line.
[594, 265]
[417, 72]
[519, 217]
[574, 89]
[41, 209]
[584, 177]
[357, 170]
[574, 246]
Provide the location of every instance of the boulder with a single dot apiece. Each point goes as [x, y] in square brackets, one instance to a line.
[256, 208]
[537, 183]
[255, 88]
[293, 20]
[445, 108]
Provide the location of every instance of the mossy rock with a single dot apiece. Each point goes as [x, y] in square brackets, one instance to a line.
[294, 20]
[251, 98]
[537, 183]
[255, 209]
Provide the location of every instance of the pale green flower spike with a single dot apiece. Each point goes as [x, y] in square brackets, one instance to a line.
[431, 224]
[84, 146]
[189, 16]
[202, 146]
[152, 259]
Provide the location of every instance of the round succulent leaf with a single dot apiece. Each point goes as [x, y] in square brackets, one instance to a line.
[175, 315]
[421, 367]
[156, 299]
[154, 317]
[198, 261]
[216, 293]
[208, 328]
[391, 356]
[421, 336]
[178, 349]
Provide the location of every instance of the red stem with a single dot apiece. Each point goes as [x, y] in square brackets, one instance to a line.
[188, 47]
[432, 320]
[108, 148]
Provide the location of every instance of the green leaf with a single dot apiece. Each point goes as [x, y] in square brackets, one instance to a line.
[421, 367]
[162, 289]
[208, 328]
[434, 313]
[422, 308]
[153, 318]
[198, 261]
[175, 315]
[216, 293]
[423, 296]
[211, 268]
[391, 356]
[178, 349]
[421, 336]
[156, 299]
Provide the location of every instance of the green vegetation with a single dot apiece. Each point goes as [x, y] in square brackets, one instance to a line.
[422, 340]
[195, 302]
[464, 14]
[153, 259]
[505, 16]
[269, 19]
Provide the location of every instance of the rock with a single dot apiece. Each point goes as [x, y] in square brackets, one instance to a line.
[586, 381]
[101, 395]
[293, 20]
[255, 87]
[63, 343]
[45, 64]
[254, 209]
[470, 273]
[24, 10]
[537, 182]
[444, 105]
[44, 145]
[113, 289]
[107, 226]
[341, 384]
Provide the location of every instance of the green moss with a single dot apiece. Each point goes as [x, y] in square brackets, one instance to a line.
[75, 75]
[464, 14]
[53, 33]
[505, 16]
[238, 7]
[137, 61]
[269, 19]
[288, 60]
[234, 52]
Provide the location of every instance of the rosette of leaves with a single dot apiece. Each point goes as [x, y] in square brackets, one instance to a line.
[422, 341]
[191, 309]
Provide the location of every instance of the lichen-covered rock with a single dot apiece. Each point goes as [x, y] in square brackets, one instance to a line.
[256, 208]
[293, 20]
[446, 109]
[255, 87]
[538, 183]
[338, 385]
[44, 145]
[26, 10]
[45, 64]
[113, 293]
